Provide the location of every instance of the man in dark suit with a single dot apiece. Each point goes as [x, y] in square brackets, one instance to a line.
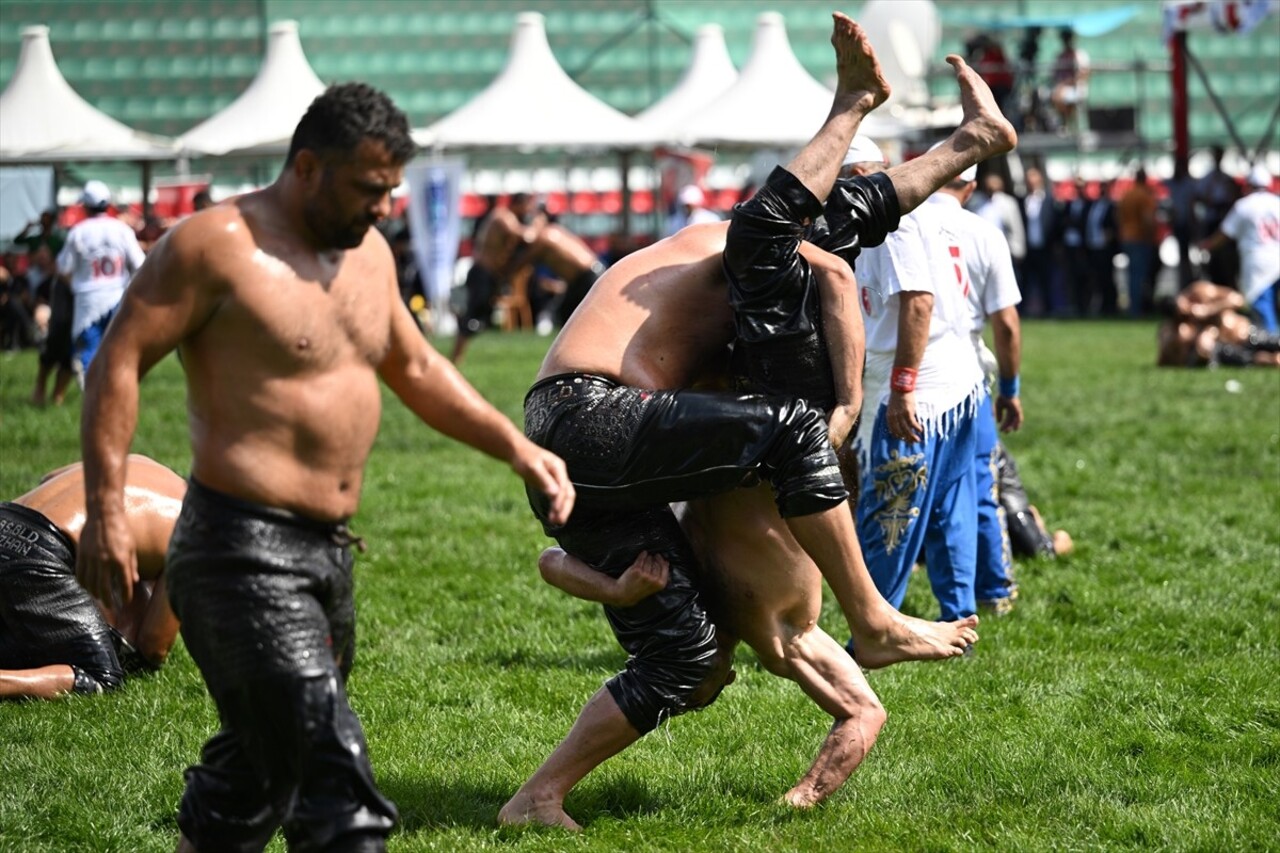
[1041, 215]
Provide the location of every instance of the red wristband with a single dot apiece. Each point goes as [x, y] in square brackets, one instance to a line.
[903, 379]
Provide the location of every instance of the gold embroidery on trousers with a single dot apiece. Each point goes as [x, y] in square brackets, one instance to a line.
[896, 481]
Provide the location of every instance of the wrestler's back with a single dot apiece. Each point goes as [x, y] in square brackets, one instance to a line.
[655, 319]
[152, 500]
[497, 239]
[283, 397]
[563, 252]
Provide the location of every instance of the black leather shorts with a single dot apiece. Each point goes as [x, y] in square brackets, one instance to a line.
[630, 453]
[265, 602]
[46, 617]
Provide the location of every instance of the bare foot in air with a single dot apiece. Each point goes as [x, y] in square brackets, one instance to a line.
[984, 127]
[907, 638]
[841, 753]
[521, 810]
[858, 74]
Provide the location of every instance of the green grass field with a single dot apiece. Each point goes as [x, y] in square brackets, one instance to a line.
[1129, 702]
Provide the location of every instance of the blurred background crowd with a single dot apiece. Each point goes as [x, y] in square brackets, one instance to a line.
[1142, 125]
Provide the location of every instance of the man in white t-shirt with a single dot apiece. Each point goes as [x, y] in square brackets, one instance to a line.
[1254, 223]
[922, 386]
[100, 256]
[691, 209]
[994, 296]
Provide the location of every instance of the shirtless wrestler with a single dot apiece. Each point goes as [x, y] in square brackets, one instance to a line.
[502, 233]
[1209, 324]
[55, 638]
[285, 308]
[570, 259]
[659, 319]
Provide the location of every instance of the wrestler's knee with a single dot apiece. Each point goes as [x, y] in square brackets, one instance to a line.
[719, 676]
[804, 470]
[668, 681]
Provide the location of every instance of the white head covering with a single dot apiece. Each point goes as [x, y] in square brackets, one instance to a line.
[96, 194]
[1259, 177]
[691, 195]
[863, 150]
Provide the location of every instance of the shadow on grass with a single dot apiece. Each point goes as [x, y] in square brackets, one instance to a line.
[589, 661]
[427, 804]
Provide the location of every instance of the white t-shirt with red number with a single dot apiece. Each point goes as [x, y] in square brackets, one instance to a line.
[1254, 223]
[100, 256]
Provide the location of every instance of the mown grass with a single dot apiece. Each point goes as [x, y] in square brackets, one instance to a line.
[1130, 702]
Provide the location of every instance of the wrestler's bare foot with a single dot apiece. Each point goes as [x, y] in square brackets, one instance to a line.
[843, 750]
[983, 126]
[907, 638]
[522, 809]
[860, 83]
[1062, 543]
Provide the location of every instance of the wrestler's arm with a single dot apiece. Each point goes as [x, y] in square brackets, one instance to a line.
[158, 628]
[845, 336]
[915, 311]
[170, 298]
[46, 682]
[647, 575]
[436, 392]
[1007, 332]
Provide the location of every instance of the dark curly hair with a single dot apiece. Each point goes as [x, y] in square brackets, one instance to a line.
[347, 113]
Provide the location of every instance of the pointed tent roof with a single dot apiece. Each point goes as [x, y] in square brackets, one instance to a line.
[775, 103]
[533, 103]
[263, 118]
[43, 119]
[709, 75]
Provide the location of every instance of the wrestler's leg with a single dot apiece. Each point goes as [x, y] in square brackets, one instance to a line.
[45, 682]
[772, 597]
[860, 88]
[674, 662]
[983, 132]
[600, 732]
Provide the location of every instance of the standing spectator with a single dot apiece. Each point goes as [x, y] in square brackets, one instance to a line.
[993, 295]
[43, 232]
[16, 323]
[1254, 223]
[988, 58]
[1075, 217]
[1070, 81]
[100, 255]
[1042, 218]
[1216, 192]
[691, 209]
[918, 438]
[1001, 210]
[1136, 225]
[1102, 246]
[55, 348]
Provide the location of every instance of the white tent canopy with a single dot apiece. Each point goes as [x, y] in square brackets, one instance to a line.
[775, 103]
[709, 75]
[532, 104]
[263, 118]
[42, 119]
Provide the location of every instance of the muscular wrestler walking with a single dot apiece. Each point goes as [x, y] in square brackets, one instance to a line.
[285, 309]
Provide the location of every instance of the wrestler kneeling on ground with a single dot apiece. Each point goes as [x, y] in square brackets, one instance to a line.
[54, 637]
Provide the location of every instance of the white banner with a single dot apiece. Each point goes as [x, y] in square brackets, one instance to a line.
[435, 222]
[1224, 16]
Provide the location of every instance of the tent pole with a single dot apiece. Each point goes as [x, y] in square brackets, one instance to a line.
[146, 189]
[624, 165]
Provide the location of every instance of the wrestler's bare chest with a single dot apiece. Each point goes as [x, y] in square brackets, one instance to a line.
[300, 316]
